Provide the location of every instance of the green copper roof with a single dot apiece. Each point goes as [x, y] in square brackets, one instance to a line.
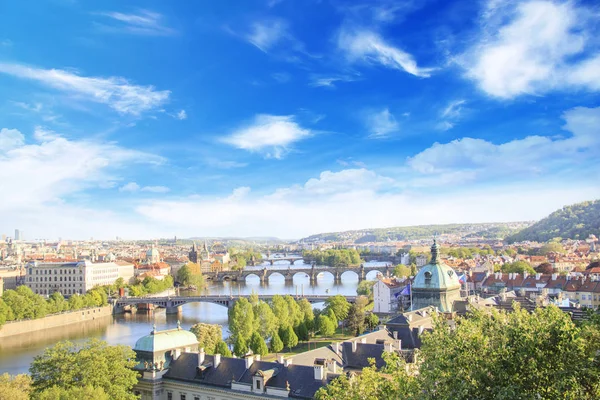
[436, 275]
[165, 340]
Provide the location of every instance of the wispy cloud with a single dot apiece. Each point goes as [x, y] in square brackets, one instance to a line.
[144, 22]
[267, 33]
[282, 77]
[181, 115]
[271, 135]
[224, 164]
[116, 92]
[368, 46]
[329, 81]
[450, 115]
[534, 47]
[134, 187]
[381, 123]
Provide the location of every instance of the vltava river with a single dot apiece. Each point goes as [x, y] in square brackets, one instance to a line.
[16, 353]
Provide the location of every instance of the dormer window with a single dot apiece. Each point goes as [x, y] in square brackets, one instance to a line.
[427, 277]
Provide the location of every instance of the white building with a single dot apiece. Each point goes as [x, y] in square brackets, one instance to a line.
[384, 295]
[70, 278]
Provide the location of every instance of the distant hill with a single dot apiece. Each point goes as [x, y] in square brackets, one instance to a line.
[485, 230]
[577, 221]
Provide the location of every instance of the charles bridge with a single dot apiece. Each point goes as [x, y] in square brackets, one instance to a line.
[173, 303]
[289, 273]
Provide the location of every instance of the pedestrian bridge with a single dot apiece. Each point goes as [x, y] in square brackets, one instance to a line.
[173, 303]
[289, 273]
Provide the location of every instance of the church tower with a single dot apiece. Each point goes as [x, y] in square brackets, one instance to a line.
[436, 284]
[193, 254]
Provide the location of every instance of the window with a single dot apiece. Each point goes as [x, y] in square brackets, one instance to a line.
[169, 396]
[183, 397]
[258, 384]
[196, 397]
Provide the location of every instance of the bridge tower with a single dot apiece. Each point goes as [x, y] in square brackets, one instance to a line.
[263, 277]
[313, 273]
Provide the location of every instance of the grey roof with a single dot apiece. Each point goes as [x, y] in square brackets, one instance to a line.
[300, 377]
[359, 359]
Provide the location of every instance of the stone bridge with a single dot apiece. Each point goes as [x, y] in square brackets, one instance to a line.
[291, 258]
[173, 303]
[289, 273]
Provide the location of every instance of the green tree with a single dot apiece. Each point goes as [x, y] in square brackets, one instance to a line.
[57, 303]
[184, 275]
[266, 323]
[281, 311]
[308, 313]
[93, 363]
[365, 288]
[551, 247]
[241, 319]
[372, 321]
[519, 267]
[240, 346]
[289, 337]
[295, 313]
[208, 336]
[6, 313]
[276, 343]
[222, 349]
[339, 305]
[73, 393]
[356, 316]
[325, 326]
[331, 315]
[519, 355]
[76, 302]
[257, 344]
[401, 270]
[15, 387]
[302, 331]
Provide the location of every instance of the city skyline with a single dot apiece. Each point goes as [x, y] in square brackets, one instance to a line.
[273, 118]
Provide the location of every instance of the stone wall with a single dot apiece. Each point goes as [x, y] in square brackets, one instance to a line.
[53, 321]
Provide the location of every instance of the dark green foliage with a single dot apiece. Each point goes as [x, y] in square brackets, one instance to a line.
[222, 349]
[333, 258]
[276, 344]
[257, 344]
[240, 347]
[577, 221]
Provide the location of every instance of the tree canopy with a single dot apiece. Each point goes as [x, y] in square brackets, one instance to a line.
[209, 335]
[92, 364]
[339, 305]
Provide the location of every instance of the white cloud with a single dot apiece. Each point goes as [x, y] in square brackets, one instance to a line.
[534, 47]
[281, 77]
[269, 134]
[130, 187]
[10, 138]
[329, 81]
[533, 154]
[368, 46]
[450, 115]
[223, 164]
[116, 92]
[134, 187]
[47, 172]
[181, 115]
[145, 22]
[381, 123]
[267, 33]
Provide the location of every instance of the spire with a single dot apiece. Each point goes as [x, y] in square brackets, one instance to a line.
[435, 250]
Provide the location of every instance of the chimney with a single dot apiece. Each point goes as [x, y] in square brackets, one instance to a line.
[176, 354]
[554, 276]
[363, 340]
[280, 359]
[387, 347]
[353, 346]
[399, 344]
[525, 275]
[421, 328]
[333, 367]
[336, 347]
[287, 362]
[538, 276]
[319, 372]
[249, 361]
[201, 355]
[217, 360]
[395, 334]
[409, 317]
[257, 357]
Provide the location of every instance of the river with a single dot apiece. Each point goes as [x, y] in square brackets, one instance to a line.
[17, 353]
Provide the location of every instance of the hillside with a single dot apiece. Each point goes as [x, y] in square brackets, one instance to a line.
[577, 221]
[485, 230]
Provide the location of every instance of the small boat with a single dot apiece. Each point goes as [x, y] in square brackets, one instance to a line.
[326, 290]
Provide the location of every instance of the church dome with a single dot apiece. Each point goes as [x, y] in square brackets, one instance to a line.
[436, 275]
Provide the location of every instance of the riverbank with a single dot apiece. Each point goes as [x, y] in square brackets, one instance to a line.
[53, 321]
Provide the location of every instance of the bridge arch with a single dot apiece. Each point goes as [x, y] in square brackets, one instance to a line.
[373, 274]
[277, 275]
[252, 276]
[328, 275]
[350, 276]
[301, 276]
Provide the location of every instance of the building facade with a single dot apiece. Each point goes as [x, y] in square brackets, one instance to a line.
[76, 277]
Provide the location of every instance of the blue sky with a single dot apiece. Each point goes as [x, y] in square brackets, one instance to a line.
[286, 118]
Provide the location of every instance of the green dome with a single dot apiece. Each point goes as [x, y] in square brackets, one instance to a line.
[436, 274]
[166, 340]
